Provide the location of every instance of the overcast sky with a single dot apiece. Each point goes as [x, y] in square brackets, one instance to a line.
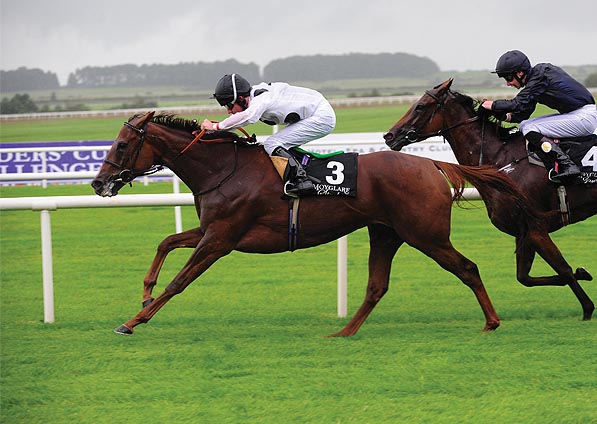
[63, 35]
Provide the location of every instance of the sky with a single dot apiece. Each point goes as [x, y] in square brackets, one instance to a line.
[64, 35]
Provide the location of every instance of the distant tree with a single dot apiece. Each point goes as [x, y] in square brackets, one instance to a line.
[349, 66]
[591, 80]
[137, 103]
[24, 79]
[198, 74]
[19, 103]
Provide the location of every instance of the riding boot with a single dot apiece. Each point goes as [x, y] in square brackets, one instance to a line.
[298, 181]
[566, 168]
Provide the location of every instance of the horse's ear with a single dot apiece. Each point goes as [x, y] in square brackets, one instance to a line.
[146, 118]
[444, 85]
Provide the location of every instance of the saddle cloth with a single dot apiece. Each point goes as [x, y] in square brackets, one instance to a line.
[582, 151]
[337, 172]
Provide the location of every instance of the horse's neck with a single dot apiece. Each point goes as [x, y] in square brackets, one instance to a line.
[468, 141]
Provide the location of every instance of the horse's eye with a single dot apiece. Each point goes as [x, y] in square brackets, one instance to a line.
[419, 108]
[121, 147]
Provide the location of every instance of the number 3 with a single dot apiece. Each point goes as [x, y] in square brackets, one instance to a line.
[337, 176]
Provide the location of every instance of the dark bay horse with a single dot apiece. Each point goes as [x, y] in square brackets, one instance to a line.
[401, 199]
[476, 139]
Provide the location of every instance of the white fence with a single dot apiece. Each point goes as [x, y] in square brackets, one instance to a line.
[360, 142]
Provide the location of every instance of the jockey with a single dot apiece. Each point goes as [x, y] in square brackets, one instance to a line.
[306, 114]
[549, 85]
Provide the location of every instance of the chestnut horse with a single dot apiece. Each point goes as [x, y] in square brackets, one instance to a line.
[401, 199]
[476, 138]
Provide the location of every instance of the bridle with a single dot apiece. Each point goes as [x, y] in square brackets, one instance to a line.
[127, 174]
[413, 136]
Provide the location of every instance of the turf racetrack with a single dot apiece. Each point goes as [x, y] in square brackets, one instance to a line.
[245, 342]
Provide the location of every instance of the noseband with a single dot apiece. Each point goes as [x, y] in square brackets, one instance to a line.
[127, 175]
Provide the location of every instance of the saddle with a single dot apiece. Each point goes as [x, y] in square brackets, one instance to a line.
[335, 173]
[581, 150]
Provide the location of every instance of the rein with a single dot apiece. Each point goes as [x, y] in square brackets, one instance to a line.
[226, 178]
[199, 136]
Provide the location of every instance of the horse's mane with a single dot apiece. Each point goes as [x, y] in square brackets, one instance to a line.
[473, 106]
[172, 121]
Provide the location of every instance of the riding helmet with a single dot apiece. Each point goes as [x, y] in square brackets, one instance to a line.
[229, 87]
[511, 62]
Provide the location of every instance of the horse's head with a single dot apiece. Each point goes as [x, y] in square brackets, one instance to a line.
[129, 158]
[421, 120]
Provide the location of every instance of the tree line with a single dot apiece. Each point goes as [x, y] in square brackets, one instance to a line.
[204, 75]
[24, 79]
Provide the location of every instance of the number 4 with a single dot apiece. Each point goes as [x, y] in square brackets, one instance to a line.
[590, 159]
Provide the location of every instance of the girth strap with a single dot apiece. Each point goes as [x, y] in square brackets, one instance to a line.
[564, 206]
[293, 213]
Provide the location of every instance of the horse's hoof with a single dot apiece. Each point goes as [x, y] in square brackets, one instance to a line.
[491, 326]
[582, 274]
[147, 302]
[123, 329]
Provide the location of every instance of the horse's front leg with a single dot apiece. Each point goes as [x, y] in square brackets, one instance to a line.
[189, 238]
[209, 250]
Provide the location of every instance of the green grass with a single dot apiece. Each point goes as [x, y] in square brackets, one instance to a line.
[366, 119]
[244, 343]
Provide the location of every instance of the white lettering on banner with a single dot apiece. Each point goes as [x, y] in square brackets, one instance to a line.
[324, 189]
[31, 157]
[51, 161]
[98, 155]
[432, 150]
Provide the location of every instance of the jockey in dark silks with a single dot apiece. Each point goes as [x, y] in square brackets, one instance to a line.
[549, 85]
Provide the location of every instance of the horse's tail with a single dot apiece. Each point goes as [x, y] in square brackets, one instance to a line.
[490, 182]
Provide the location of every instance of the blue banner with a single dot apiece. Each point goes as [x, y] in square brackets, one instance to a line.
[32, 162]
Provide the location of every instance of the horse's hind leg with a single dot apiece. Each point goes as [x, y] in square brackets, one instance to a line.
[525, 256]
[542, 243]
[453, 261]
[189, 238]
[384, 242]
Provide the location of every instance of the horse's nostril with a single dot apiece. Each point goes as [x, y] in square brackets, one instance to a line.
[388, 136]
[96, 184]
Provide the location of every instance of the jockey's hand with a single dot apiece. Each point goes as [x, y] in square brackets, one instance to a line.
[208, 125]
[487, 104]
